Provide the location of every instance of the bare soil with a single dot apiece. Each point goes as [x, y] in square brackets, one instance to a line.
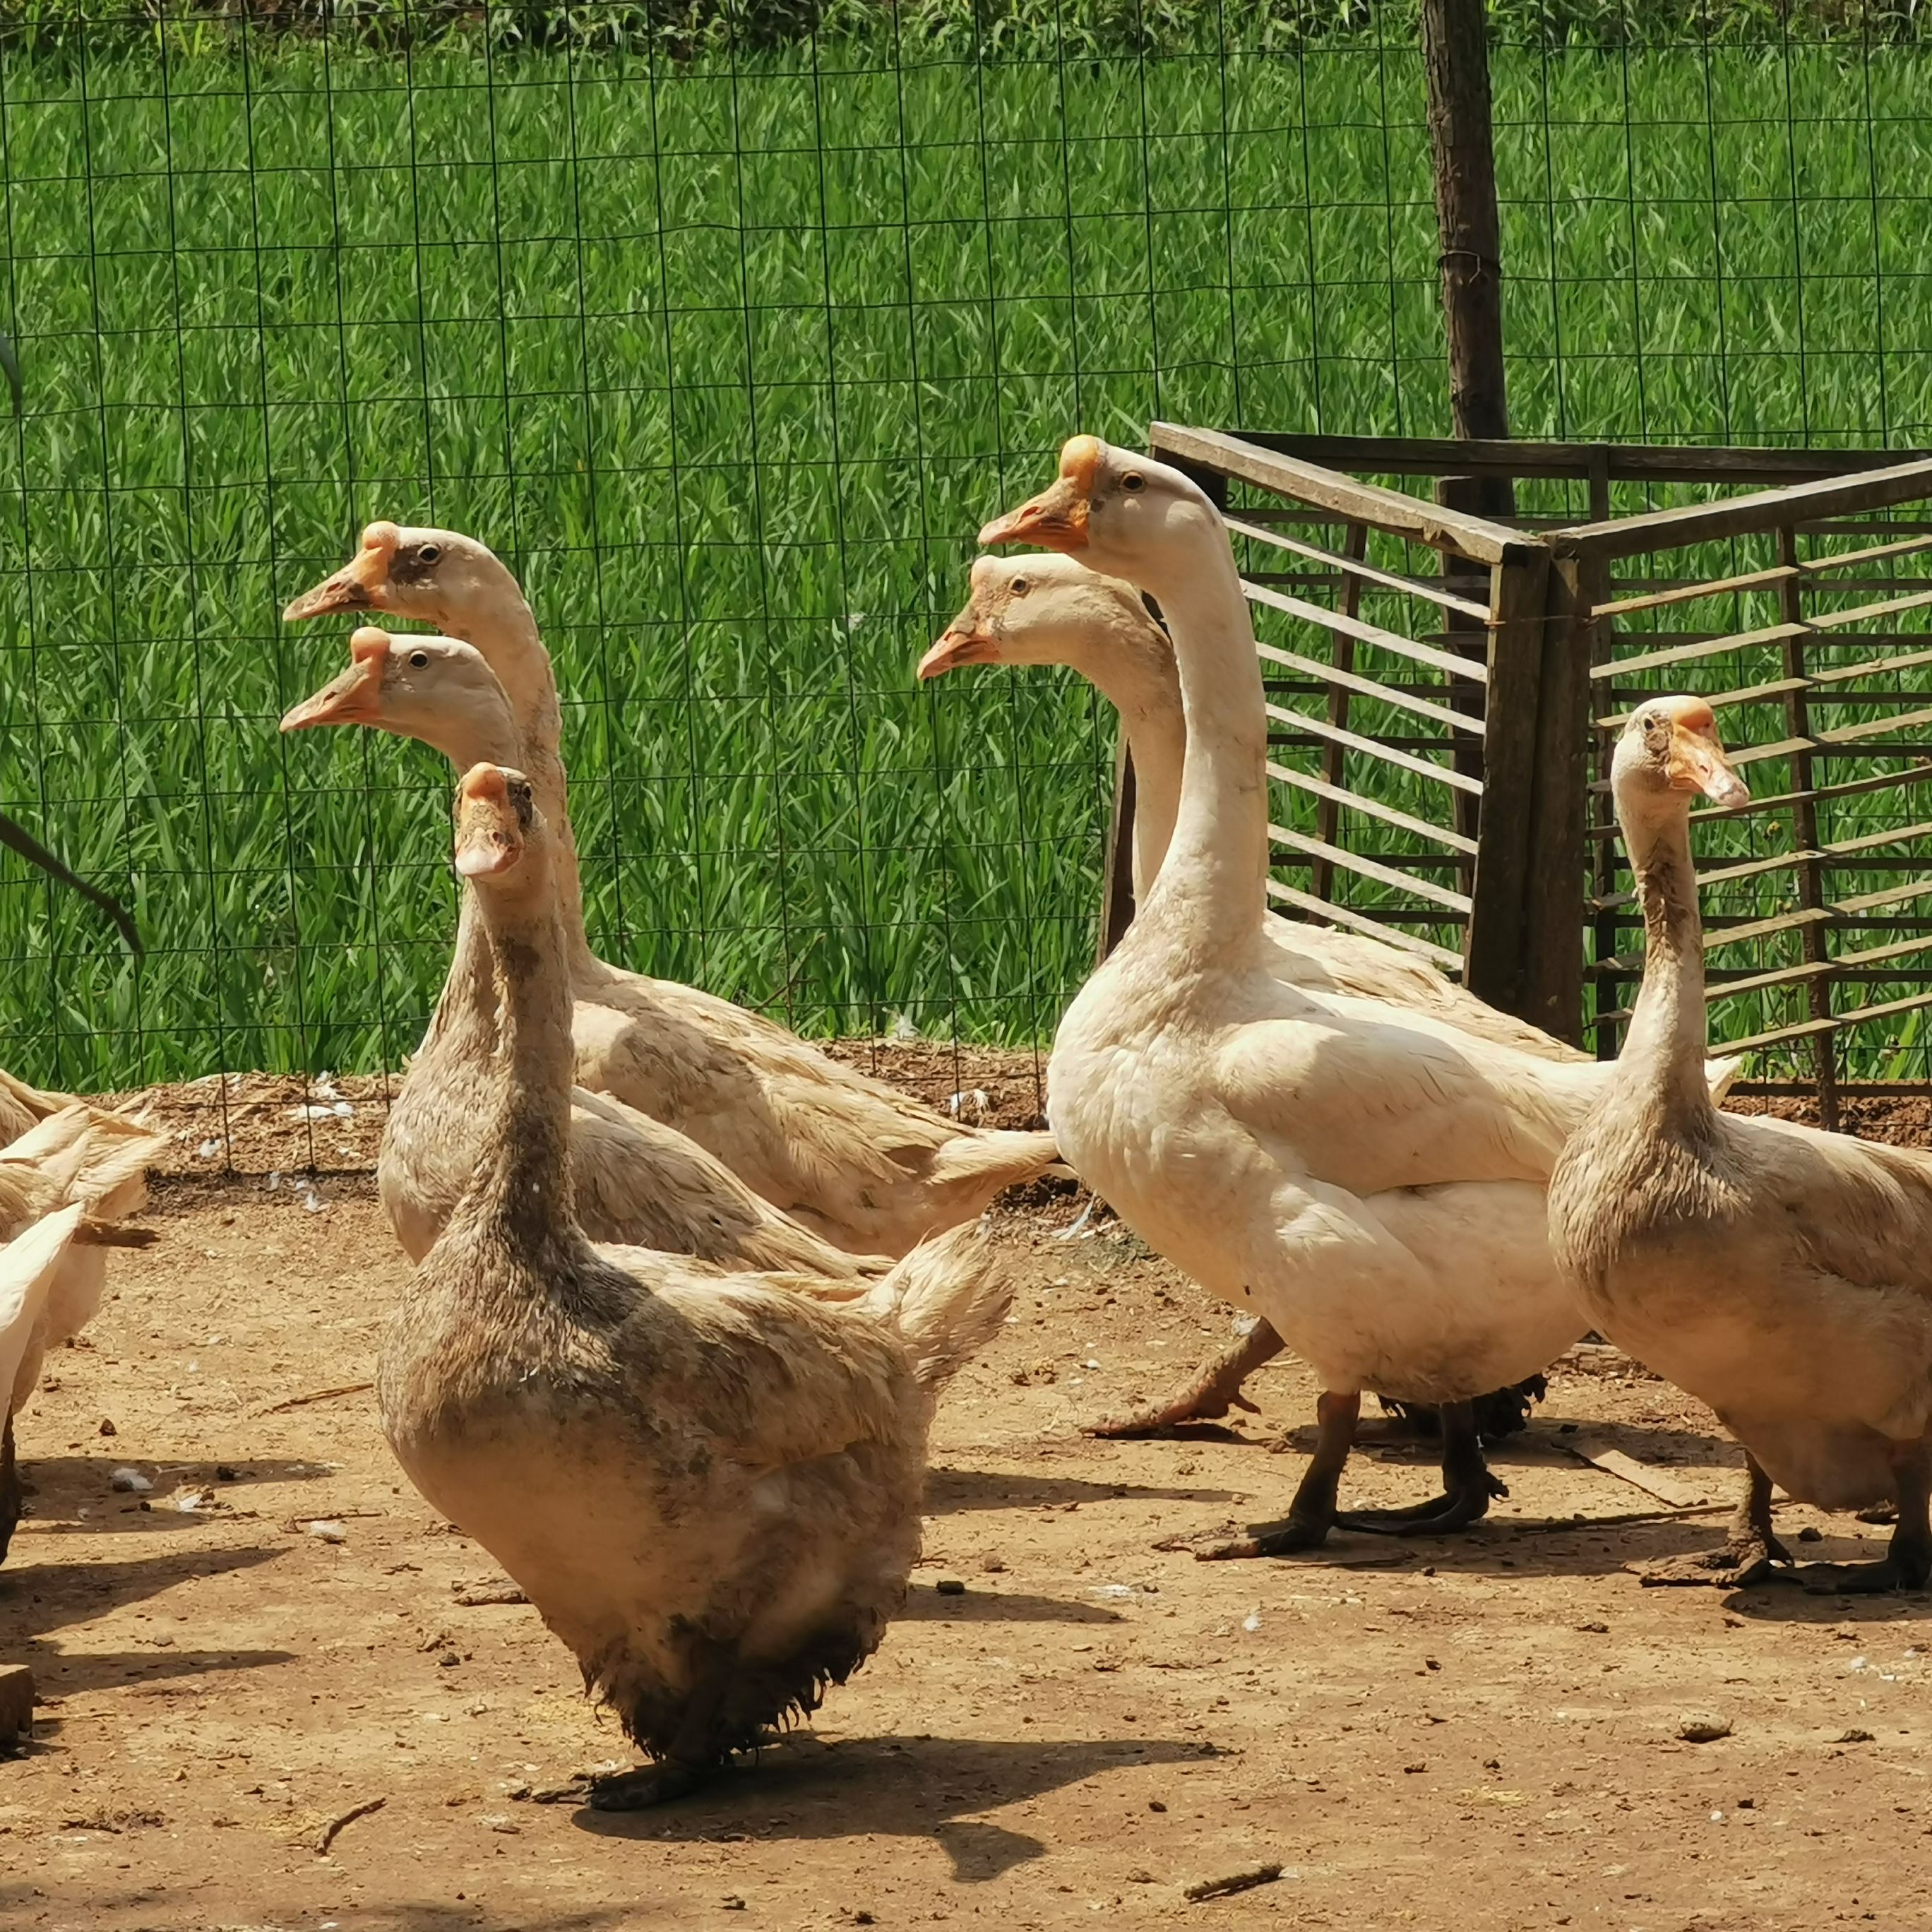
[1480, 1733]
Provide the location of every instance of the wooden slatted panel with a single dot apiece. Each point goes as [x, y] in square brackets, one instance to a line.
[1367, 699]
[1822, 669]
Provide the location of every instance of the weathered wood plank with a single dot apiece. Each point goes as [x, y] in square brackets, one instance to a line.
[1369, 503]
[1496, 953]
[1344, 800]
[1736, 516]
[1366, 687]
[1348, 626]
[1358, 921]
[1368, 869]
[1355, 566]
[1320, 727]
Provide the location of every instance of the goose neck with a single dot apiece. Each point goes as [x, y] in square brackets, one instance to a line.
[1663, 1058]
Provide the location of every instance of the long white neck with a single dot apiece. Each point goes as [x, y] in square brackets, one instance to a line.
[520, 1189]
[1146, 692]
[504, 628]
[1212, 891]
[1662, 1064]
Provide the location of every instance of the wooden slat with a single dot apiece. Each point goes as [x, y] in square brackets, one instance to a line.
[1710, 647]
[1754, 580]
[1412, 586]
[1749, 868]
[1784, 976]
[1844, 559]
[1366, 687]
[1368, 503]
[1368, 869]
[1341, 915]
[1366, 633]
[1812, 680]
[1808, 1029]
[1354, 801]
[1813, 969]
[1739, 516]
[1617, 462]
[1320, 727]
[1846, 788]
[1836, 620]
[1839, 734]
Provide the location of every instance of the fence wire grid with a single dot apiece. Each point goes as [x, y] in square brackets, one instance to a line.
[729, 359]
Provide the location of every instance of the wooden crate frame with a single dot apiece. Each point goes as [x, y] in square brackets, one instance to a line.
[1526, 618]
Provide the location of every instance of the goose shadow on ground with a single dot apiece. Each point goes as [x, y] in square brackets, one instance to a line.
[982, 1603]
[49, 1593]
[948, 1491]
[1501, 1546]
[924, 1787]
[59, 1487]
[184, 1906]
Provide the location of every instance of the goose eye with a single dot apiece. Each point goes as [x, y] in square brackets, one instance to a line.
[1133, 482]
[419, 658]
[428, 553]
[1020, 586]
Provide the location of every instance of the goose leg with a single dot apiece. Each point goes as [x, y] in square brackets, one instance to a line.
[1311, 1513]
[1211, 1391]
[10, 1488]
[1907, 1564]
[1750, 1553]
[1468, 1485]
[693, 1759]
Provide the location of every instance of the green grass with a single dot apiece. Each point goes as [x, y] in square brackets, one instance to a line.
[732, 366]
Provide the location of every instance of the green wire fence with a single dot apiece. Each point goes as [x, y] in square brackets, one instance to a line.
[729, 355]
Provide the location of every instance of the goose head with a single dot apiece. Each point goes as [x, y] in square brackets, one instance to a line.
[438, 690]
[439, 577]
[500, 842]
[1669, 754]
[1119, 512]
[1051, 609]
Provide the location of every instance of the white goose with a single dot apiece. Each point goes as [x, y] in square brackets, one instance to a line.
[1373, 1186]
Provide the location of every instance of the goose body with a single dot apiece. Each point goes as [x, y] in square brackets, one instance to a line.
[1780, 1273]
[864, 1167]
[1369, 1181]
[708, 1485]
[65, 1183]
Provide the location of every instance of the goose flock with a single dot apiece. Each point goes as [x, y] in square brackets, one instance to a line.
[687, 1291]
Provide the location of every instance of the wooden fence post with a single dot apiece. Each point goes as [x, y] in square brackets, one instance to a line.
[1554, 898]
[1455, 66]
[1496, 943]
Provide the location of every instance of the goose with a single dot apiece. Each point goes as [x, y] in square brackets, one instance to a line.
[709, 1486]
[1370, 1182]
[95, 1164]
[1049, 608]
[638, 1181]
[869, 1168]
[1781, 1274]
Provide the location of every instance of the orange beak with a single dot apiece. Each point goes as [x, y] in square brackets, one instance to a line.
[361, 585]
[963, 642]
[1058, 517]
[353, 697]
[1697, 760]
[489, 841]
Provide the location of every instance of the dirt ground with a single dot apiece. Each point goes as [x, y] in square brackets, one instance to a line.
[1482, 1732]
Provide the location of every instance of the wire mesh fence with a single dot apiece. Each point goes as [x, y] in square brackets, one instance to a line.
[730, 355]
